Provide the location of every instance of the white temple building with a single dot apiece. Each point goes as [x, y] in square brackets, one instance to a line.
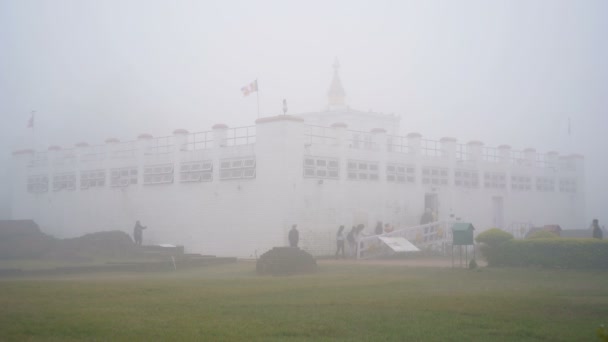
[236, 191]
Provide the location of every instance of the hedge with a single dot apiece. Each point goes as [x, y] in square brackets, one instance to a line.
[556, 252]
[493, 236]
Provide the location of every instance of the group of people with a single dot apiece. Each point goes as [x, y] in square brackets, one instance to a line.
[352, 237]
[342, 238]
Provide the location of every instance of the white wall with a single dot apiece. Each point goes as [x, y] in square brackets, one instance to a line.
[246, 217]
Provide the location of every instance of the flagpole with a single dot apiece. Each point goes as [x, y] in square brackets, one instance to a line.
[257, 95]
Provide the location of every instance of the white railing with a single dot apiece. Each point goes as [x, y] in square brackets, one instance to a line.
[360, 140]
[238, 136]
[398, 144]
[434, 234]
[92, 153]
[490, 154]
[198, 141]
[160, 146]
[430, 148]
[319, 135]
[125, 150]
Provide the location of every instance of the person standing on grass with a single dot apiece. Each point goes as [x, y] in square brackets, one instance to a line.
[378, 229]
[352, 243]
[138, 233]
[340, 242]
[358, 235]
[294, 236]
[597, 231]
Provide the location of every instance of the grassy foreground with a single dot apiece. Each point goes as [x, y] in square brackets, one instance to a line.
[340, 302]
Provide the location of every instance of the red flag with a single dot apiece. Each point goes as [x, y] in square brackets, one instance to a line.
[245, 90]
[250, 88]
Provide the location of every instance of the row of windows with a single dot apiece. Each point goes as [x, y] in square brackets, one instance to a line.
[323, 167]
[319, 167]
[237, 168]
[197, 171]
[545, 184]
[158, 174]
[123, 176]
[466, 178]
[400, 173]
[92, 179]
[567, 185]
[363, 170]
[435, 175]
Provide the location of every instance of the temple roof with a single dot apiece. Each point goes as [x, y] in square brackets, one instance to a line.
[336, 93]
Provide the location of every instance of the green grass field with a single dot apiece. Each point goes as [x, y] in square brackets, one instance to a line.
[343, 301]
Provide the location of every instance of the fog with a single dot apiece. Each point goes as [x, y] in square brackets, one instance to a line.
[523, 73]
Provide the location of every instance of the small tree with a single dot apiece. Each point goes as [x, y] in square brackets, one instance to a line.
[493, 237]
[491, 241]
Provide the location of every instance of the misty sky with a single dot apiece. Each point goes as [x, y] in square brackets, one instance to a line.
[497, 71]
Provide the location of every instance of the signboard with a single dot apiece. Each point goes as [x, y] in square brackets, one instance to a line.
[399, 244]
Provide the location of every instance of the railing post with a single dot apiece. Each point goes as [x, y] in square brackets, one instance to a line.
[448, 148]
[530, 156]
[504, 154]
[220, 134]
[474, 150]
[413, 142]
[180, 137]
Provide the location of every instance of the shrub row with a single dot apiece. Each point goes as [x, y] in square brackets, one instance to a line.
[553, 252]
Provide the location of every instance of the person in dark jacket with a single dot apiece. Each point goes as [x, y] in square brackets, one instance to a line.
[294, 236]
[340, 242]
[597, 231]
[138, 233]
[378, 229]
[427, 217]
[352, 243]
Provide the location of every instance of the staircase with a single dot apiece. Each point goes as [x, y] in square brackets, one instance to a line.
[431, 236]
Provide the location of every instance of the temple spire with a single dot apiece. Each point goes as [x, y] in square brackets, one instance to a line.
[336, 94]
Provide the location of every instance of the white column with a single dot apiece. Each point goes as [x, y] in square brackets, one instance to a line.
[474, 150]
[413, 142]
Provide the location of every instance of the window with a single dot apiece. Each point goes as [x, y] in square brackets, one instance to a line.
[399, 173]
[64, 181]
[521, 183]
[123, 176]
[321, 167]
[197, 171]
[38, 184]
[92, 179]
[363, 170]
[158, 174]
[545, 184]
[494, 180]
[567, 185]
[237, 168]
[435, 176]
[466, 178]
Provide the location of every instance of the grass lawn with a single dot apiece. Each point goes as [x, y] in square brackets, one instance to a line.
[343, 301]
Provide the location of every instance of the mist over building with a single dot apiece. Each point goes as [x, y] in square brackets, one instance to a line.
[237, 190]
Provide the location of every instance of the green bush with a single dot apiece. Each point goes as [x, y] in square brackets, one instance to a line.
[557, 253]
[542, 234]
[284, 261]
[493, 237]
